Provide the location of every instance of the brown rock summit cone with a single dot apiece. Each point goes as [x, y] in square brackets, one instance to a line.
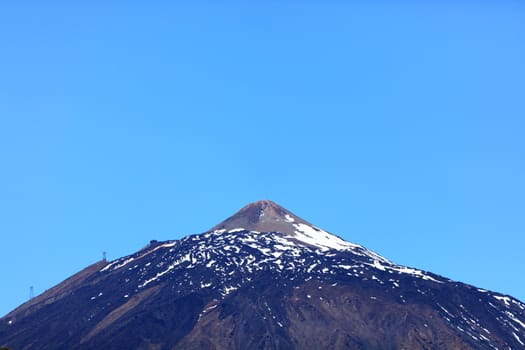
[263, 216]
[267, 216]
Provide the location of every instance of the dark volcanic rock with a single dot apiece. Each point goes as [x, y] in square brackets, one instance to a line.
[262, 279]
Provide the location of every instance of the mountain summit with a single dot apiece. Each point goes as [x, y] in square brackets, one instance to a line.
[262, 216]
[262, 279]
[267, 216]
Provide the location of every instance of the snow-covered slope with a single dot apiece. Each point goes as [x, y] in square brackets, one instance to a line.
[237, 251]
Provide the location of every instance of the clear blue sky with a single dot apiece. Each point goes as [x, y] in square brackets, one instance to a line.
[395, 124]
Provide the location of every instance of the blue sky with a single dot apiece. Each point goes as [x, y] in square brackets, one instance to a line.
[396, 125]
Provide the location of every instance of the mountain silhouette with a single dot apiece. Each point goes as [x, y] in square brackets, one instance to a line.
[262, 279]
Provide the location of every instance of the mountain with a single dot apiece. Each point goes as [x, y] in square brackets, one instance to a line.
[262, 279]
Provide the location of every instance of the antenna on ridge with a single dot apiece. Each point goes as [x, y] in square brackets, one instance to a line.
[104, 256]
[31, 293]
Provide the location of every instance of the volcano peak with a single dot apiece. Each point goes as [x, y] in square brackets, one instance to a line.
[262, 216]
[267, 216]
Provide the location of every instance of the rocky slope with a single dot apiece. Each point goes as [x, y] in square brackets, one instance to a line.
[263, 279]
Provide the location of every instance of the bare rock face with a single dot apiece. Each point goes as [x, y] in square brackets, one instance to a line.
[262, 216]
[262, 279]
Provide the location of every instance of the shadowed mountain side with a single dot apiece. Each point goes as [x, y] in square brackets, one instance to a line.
[60, 290]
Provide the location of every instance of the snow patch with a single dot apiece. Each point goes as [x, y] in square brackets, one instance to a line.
[347, 267]
[515, 319]
[517, 338]
[209, 308]
[239, 229]
[228, 290]
[506, 300]
[319, 238]
[442, 308]
[288, 218]
[117, 264]
[404, 270]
